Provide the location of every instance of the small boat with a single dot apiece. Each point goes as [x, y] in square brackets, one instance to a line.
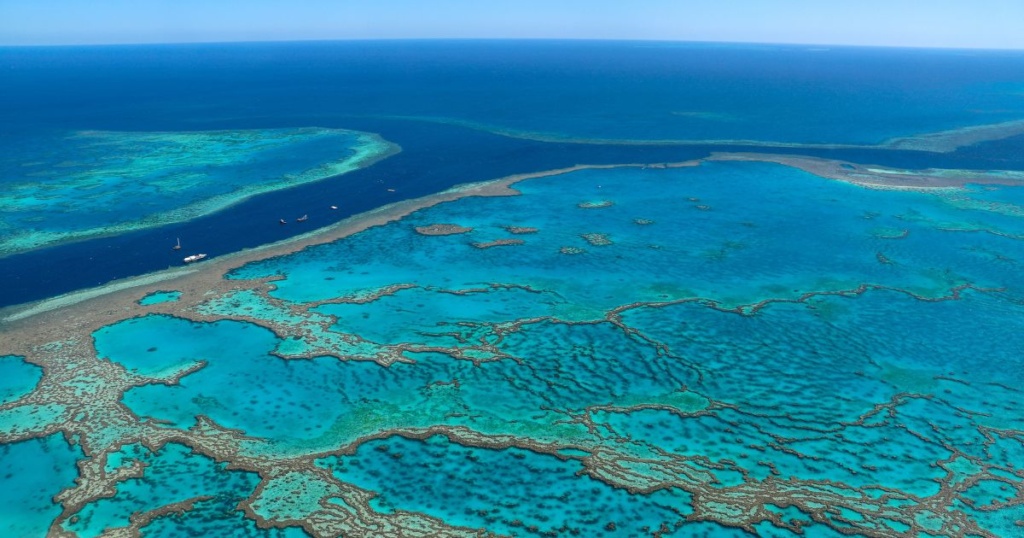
[178, 246]
[194, 258]
[303, 218]
[282, 221]
[334, 207]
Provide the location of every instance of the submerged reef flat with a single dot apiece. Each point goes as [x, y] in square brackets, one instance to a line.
[878, 177]
[945, 141]
[953, 139]
[94, 183]
[384, 382]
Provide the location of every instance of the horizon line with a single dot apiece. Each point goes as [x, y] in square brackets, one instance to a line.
[572, 39]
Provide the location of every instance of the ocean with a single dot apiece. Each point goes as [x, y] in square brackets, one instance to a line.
[529, 288]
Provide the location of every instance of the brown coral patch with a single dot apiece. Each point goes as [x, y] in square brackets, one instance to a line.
[442, 229]
[499, 243]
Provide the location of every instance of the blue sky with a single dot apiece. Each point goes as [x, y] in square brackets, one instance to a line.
[915, 23]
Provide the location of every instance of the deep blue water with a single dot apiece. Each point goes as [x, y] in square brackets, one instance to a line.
[561, 90]
[579, 88]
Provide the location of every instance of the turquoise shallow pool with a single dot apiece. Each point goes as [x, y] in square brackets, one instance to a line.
[17, 378]
[160, 297]
[33, 472]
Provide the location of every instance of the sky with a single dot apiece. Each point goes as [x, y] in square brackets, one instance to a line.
[906, 23]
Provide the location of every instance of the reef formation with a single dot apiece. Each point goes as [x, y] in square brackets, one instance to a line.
[717, 372]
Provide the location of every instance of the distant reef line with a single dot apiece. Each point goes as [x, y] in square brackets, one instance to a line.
[372, 148]
[946, 141]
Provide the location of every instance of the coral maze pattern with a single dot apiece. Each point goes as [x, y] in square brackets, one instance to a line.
[658, 351]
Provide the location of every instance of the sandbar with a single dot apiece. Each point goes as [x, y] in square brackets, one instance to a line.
[945, 141]
[879, 177]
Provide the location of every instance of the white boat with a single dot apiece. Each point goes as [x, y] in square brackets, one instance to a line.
[303, 218]
[178, 246]
[194, 258]
[334, 207]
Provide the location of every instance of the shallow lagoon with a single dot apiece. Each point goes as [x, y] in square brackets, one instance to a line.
[160, 297]
[17, 378]
[33, 472]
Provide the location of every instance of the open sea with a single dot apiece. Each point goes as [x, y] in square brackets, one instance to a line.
[511, 288]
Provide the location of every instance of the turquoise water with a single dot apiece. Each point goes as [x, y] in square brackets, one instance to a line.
[181, 345]
[17, 378]
[726, 349]
[32, 473]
